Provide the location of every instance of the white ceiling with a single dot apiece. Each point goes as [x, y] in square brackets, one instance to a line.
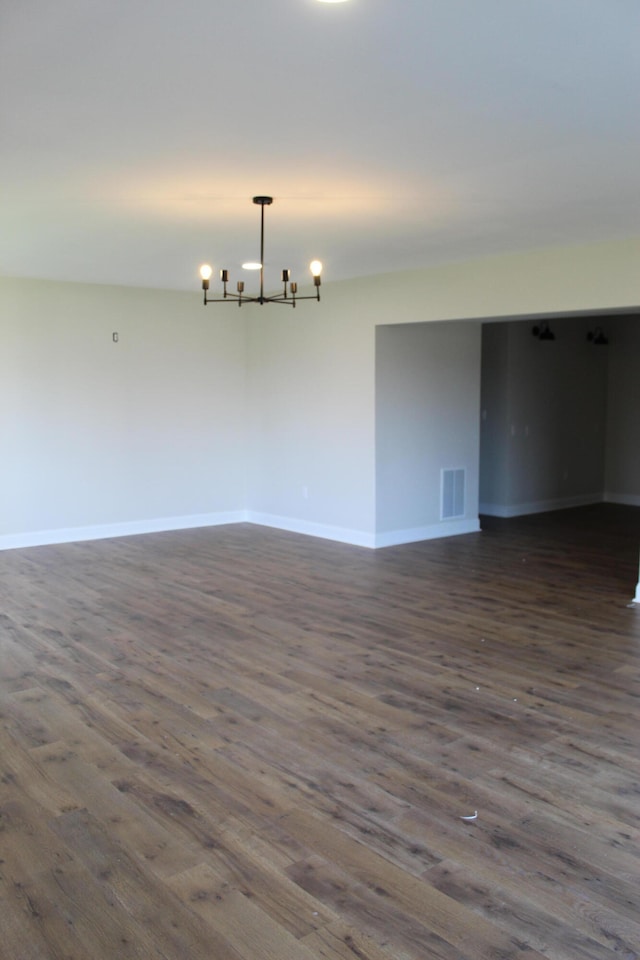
[392, 133]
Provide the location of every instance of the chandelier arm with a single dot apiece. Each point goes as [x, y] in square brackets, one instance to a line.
[310, 296]
[289, 299]
[235, 298]
[286, 303]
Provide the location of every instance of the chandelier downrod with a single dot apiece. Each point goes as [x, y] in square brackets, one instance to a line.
[264, 202]
[289, 293]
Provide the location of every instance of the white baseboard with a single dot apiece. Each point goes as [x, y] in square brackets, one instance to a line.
[357, 538]
[538, 506]
[435, 531]
[626, 499]
[41, 538]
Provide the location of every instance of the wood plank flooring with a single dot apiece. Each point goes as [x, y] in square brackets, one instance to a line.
[243, 744]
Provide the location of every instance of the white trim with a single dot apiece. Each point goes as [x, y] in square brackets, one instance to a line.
[41, 538]
[449, 528]
[538, 506]
[636, 599]
[626, 499]
[357, 538]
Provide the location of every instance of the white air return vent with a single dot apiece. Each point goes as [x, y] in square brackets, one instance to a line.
[452, 486]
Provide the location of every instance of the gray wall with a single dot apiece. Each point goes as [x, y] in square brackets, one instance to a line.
[623, 411]
[495, 416]
[427, 419]
[549, 413]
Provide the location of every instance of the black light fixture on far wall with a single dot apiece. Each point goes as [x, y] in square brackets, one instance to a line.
[289, 293]
[597, 337]
[543, 332]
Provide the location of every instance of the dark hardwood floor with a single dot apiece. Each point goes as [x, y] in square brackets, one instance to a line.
[243, 744]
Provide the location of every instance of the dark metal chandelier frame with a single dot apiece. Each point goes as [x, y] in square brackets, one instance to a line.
[289, 294]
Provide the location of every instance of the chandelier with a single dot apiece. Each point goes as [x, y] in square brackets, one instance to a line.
[289, 294]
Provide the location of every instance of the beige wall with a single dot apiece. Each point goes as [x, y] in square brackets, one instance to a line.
[101, 437]
[554, 280]
[156, 429]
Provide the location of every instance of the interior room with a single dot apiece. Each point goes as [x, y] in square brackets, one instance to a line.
[319, 633]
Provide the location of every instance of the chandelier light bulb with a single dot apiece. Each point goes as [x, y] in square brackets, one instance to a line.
[316, 268]
[206, 271]
[252, 265]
